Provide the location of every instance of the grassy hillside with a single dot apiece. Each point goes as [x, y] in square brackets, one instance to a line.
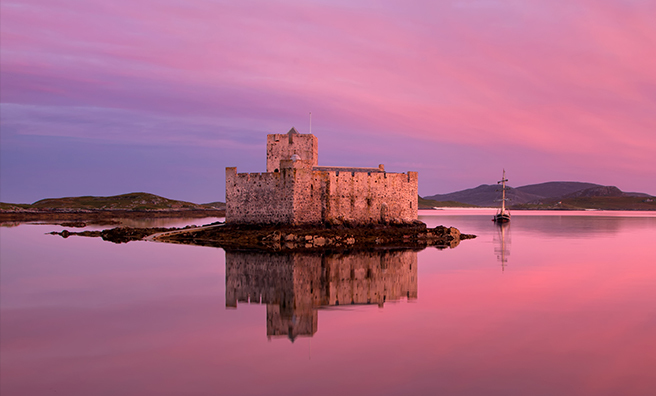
[556, 189]
[485, 195]
[215, 205]
[132, 201]
[10, 206]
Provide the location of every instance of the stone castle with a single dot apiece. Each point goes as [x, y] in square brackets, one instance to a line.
[295, 190]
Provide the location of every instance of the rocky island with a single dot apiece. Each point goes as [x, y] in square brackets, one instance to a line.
[276, 238]
[297, 205]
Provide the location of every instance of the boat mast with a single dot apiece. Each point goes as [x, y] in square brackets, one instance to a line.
[503, 189]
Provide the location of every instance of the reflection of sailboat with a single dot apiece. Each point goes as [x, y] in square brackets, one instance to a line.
[295, 286]
[502, 244]
[502, 216]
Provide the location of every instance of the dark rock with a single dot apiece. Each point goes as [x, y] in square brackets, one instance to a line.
[292, 238]
[311, 238]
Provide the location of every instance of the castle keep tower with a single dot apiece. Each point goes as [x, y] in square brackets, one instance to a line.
[284, 146]
[295, 190]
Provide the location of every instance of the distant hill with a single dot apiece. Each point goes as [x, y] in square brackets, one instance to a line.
[556, 189]
[215, 205]
[598, 191]
[125, 202]
[485, 195]
[553, 195]
[9, 207]
[636, 194]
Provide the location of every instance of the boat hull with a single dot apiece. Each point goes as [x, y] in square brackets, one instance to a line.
[501, 218]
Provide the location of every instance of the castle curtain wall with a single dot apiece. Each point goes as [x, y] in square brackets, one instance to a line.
[369, 197]
[259, 197]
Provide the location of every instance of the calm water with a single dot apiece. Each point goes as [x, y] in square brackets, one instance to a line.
[552, 304]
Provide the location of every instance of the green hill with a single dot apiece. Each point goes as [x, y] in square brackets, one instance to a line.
[9, 207]
[215, 205]
[130, 202]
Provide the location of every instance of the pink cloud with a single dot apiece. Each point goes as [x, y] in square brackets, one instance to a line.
[572, 80]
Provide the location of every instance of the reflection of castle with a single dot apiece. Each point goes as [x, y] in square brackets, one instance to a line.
[293, 286]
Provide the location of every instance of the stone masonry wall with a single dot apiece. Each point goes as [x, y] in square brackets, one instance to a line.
[297, 195]
[259, 197]
[283, 146]
[307, 193]
[368, 197]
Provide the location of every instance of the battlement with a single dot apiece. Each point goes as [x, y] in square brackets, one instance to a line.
[381, 168]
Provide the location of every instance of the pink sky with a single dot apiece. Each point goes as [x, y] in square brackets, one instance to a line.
[550, 90]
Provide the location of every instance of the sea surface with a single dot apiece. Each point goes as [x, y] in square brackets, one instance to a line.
[553, 303]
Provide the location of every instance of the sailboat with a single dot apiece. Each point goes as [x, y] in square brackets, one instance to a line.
[502, 216]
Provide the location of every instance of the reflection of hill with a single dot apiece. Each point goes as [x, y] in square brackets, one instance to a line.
[568, 226]
[294, 286]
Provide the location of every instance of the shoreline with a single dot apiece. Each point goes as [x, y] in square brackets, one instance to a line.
[284, 238]
[451, 208]
[104, 215]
